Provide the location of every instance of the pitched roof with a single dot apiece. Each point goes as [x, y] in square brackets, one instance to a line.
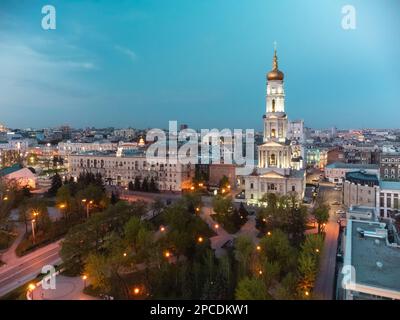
[8, 170]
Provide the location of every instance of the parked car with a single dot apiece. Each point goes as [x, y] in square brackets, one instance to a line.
[336, 203]
[340, 212]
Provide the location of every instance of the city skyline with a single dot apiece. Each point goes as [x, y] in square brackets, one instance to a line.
[107, 67]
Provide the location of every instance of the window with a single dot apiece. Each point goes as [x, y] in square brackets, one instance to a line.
[273, 105]
[293, 188]
[272, 160]
[273, 133]
[251, 186]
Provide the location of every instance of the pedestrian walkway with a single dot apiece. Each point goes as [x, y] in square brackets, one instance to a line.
[67, 288]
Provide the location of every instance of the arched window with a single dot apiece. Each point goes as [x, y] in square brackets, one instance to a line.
[273, 105]
[273, 133]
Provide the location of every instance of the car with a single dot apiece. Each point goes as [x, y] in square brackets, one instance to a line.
[336, 203]
[337, 188]
[340, 212]
[315, 180]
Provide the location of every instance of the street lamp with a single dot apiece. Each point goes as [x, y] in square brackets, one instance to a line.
[31, 288]
[84, 278]
[88, 203]
[200, 239]
[136, 291]
[35, 214]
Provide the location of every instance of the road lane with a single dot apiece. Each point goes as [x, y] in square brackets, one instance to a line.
[325, 282]
[27, 268]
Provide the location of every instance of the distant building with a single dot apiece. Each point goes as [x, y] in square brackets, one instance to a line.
[336, 172]
[125, 134]
[390, 166]
[120, 168]
[359, 189]
[335, 155]
[24, 177]
[68, 147]
[296, 131]
[218, 171]
[389, 194]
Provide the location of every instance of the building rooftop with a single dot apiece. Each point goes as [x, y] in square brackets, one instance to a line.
[341, 165]
[391, 185]
[362, 178]
[376, 263]
[9, 170]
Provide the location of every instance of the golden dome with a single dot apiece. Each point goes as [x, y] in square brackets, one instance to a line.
[275, 73]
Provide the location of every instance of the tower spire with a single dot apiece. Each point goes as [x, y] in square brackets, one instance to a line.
[275, 60]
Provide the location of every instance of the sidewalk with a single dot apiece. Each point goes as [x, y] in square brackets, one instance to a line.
[67, 288]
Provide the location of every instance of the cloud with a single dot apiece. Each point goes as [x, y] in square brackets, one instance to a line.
[128, 52]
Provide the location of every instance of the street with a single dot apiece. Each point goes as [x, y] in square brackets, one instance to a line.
[26, 268]
[324, 285]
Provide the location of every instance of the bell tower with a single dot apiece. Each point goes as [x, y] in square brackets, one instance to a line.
[275, 119]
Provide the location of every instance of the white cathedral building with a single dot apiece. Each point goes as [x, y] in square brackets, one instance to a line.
[280, 163]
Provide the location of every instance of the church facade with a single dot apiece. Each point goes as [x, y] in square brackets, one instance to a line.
[280, 164]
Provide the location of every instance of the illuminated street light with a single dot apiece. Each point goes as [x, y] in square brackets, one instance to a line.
[35, 214]
[5, 198]
[216, 226]
[84, 278]
[125, 254]
[317, 250]
[136, 290]
[31, 289]
[260, 272]
[167, 254]
[88, 203]
[162, 229]
[258, 248]
[200, 239]
[269, 233]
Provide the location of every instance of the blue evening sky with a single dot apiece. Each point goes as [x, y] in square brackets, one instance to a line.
[141, 63]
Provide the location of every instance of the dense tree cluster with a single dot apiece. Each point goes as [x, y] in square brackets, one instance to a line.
[144, 185]
[284, 213]
[227, 215]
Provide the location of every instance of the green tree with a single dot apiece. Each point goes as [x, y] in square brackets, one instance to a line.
[137, 184]
[56, 183]
[153, 186]
[65, 201]
[222, 205]
[243, 250]
[96, 267]
[321, 214]
[277, 248]
[224, 182]
[251, 289]
[145, 185]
